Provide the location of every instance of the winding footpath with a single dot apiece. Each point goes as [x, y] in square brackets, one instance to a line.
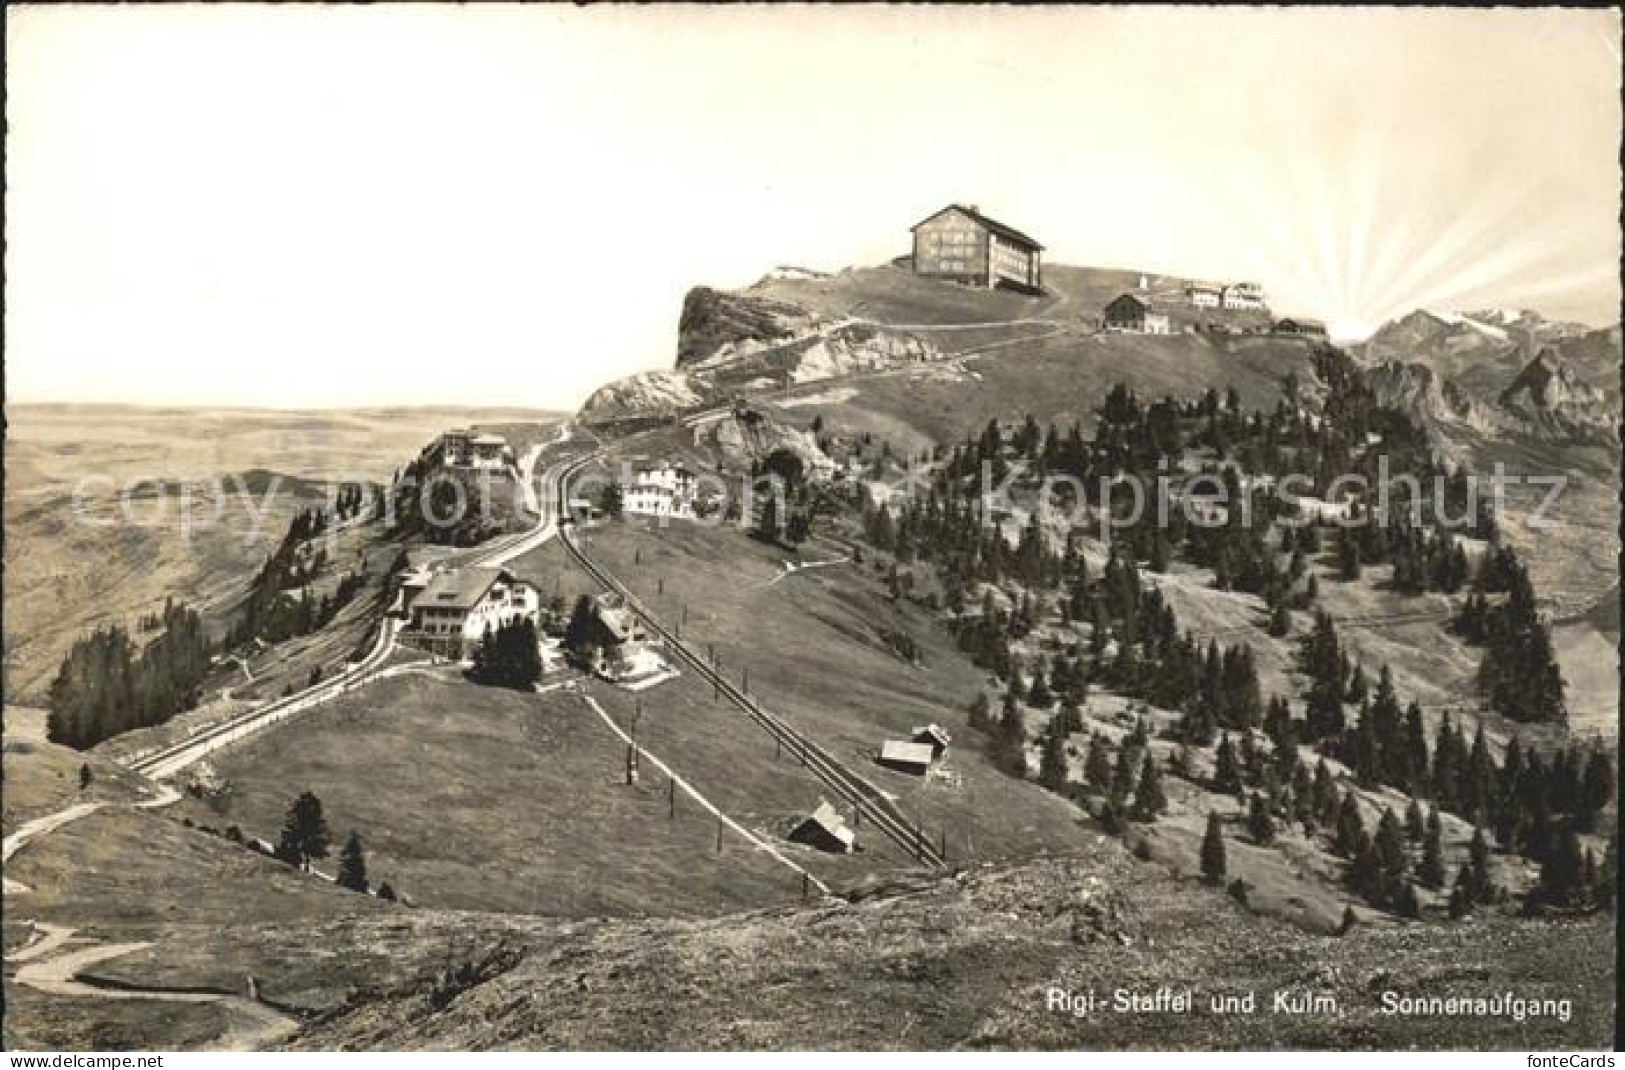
[55, 959]
[47, 966]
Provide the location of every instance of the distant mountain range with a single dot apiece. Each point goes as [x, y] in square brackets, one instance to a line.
[1501, 370]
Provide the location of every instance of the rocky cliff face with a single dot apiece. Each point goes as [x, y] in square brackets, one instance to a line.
[747, 435]
[647, 394]
[731, 343]
[1550, 394]
[716, 324]
[1432, 399]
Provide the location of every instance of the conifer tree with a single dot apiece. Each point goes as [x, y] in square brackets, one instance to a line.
[1481, 888]
[1149, 800]
[1226, 773]
[1213, 857]
[1097, 765]
[1052, 765]
[1415, 823]
[352, 872]
[305, 836]
[1260, 822]
[1561, 874]
[1390, 844]
[1350, 829]
[1432, 870]
[1123, 775]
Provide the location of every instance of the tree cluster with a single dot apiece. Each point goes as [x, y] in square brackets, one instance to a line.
[107, 685]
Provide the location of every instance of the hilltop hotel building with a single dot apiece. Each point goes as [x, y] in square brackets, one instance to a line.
[961, 244]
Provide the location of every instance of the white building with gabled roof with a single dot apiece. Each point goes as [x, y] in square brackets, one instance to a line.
[456, 606]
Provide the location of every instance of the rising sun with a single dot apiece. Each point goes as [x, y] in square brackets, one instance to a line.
[1349, 330]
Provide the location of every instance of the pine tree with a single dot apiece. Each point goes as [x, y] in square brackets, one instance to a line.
[1561, 874]
[305, 836]
[1406, 903]
[1010, 744]
[1365, 872]
[1123, 775]
[1390, 845]
[1213, 860]
[1432, 871]
[1350, 828]
[85, 776]
[1260, 822]
[1226, 773]
[1596, 788]
[1052, 766]
[1415, 823]
[1480, 888]
[1097, 764]
[1149, 800]
[352, 865]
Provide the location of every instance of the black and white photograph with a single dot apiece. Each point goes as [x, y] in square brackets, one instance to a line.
[809, 528]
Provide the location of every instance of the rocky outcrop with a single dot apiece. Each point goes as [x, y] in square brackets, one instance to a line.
[859, 348]
[1430, 398]
[647, 394]
[1549, 394]
[713, 321]
[746, 435]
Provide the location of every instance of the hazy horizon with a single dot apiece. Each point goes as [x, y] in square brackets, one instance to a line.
[448, 207]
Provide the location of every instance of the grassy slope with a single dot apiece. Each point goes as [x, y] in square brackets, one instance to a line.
[1061, 379]
[814, 652]
[41, 778]
[965, 963]
[485, 799]
[890, 294]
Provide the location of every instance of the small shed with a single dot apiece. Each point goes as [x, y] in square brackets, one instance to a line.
[906, 757]
[935, 736]
[826, 830]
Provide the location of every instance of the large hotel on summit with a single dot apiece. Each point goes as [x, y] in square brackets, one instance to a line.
[962, 244]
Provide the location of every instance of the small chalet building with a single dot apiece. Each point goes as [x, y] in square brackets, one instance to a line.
[451, 612]
[905, 757]
[961, 244]
[1243, 296]
[610, 642]
[1301, 326]
[826, 830]
[1204, 294]
[659, 489]
[468, 449]
[1130, 315]
[933, 736]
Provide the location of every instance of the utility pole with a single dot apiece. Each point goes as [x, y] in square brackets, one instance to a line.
[671, 797]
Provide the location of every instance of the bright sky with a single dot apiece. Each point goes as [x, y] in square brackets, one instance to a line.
[316, 206]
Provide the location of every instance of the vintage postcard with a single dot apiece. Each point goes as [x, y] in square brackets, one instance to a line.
[811, 527]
